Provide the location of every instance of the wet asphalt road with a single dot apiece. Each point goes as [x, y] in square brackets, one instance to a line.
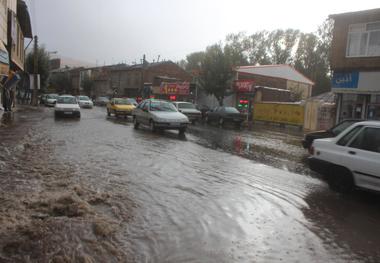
[215, 195]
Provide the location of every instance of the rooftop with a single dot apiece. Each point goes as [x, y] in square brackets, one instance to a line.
[282, 71]
[357, 13]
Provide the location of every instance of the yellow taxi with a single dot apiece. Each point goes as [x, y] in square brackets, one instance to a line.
[121, 106]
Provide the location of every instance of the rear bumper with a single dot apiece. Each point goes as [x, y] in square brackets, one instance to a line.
[67, 113]
[123, 112]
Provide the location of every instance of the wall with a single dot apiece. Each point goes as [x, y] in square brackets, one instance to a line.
[265, 81]
[339, 44]
[17, 48]
[3, 21]
[299, 88]
[283, 113]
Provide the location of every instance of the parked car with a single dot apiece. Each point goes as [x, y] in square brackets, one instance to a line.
[120, 106]
[159, 115]
[67, 106]
[188, 109]
[332, 132]
[85, 102]
[223, 114]
[352, 159]
[101, 101]
[50, 100]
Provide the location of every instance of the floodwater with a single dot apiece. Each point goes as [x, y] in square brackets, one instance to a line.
[115, 194]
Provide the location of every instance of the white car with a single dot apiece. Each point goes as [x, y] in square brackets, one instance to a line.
[51, 99]
[85, 102]
[352, 159]
[188, 109]
[67, 106]
[159, 115]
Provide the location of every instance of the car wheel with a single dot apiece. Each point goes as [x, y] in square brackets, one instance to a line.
[55, 114]
[340, 179]
[78, 115]
[182, 130]
[108, 112]
[221, 122]
[152, 126]
[135, 122]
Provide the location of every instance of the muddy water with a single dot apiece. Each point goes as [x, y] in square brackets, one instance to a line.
[207, 197]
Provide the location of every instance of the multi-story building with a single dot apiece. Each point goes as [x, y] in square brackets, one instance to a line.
[19, 28]
[355, 61]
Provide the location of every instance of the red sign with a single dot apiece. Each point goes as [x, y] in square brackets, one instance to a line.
[175, 88]
[243, 85]
[173, 97]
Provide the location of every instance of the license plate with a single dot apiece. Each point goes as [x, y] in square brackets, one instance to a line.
[68, 112]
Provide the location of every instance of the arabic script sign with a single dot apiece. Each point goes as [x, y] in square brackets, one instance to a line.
[243, 85]
[345, 80]
[175, 88]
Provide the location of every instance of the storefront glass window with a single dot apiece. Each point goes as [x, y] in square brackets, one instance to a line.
[374, 112]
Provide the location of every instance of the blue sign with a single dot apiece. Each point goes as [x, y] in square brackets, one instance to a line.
[345, 80]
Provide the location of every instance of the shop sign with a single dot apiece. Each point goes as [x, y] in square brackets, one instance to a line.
[243, 85]
[345, 80]
[175, 88]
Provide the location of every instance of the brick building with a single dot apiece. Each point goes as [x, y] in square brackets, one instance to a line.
[128, 81]
[355, 61]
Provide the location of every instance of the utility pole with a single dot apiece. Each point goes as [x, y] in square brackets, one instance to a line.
[35, 71]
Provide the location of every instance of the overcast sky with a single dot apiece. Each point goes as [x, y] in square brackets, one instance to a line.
[123, 30]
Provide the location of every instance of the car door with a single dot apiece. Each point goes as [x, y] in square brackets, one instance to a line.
[144, 116]
[139, 112]
[362, 157]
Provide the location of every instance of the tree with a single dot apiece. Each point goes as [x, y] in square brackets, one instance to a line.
[194, 61]
[87, 85]
[216, 72]
[43, 65]
[61, 82]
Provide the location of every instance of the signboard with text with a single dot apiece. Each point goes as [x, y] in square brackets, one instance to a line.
[345, 80]
[243, 85]
[175, 88]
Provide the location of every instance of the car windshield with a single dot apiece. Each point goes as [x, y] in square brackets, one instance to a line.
[162, 106]
[186, 106]
[52, 96]
[84, 98]
[66, 100]
[231, 110]
[123, 102]
[342, 126]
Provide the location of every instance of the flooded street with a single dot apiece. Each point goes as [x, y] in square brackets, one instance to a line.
[102, 191]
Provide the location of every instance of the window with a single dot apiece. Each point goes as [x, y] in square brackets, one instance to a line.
[363, 40]
[368, 140]
[346, 138]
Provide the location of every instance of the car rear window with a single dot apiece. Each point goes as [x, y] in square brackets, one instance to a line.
[66, 100]
[186, 106]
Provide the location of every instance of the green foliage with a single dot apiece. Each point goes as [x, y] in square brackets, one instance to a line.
[194, 61]
[61, 83]
[216, 71]
[43, 65]
[307, 52]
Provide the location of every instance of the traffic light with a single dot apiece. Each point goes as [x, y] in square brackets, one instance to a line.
[243, 104]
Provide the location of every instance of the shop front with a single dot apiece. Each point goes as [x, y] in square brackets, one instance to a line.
[358, 95]
[173, 91]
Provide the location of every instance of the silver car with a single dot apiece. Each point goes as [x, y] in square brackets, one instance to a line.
[189, 110]
[159, 115]
[50, 100]
[85, 102]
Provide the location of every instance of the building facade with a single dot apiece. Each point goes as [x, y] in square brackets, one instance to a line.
[129, 81]
[355, 62]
